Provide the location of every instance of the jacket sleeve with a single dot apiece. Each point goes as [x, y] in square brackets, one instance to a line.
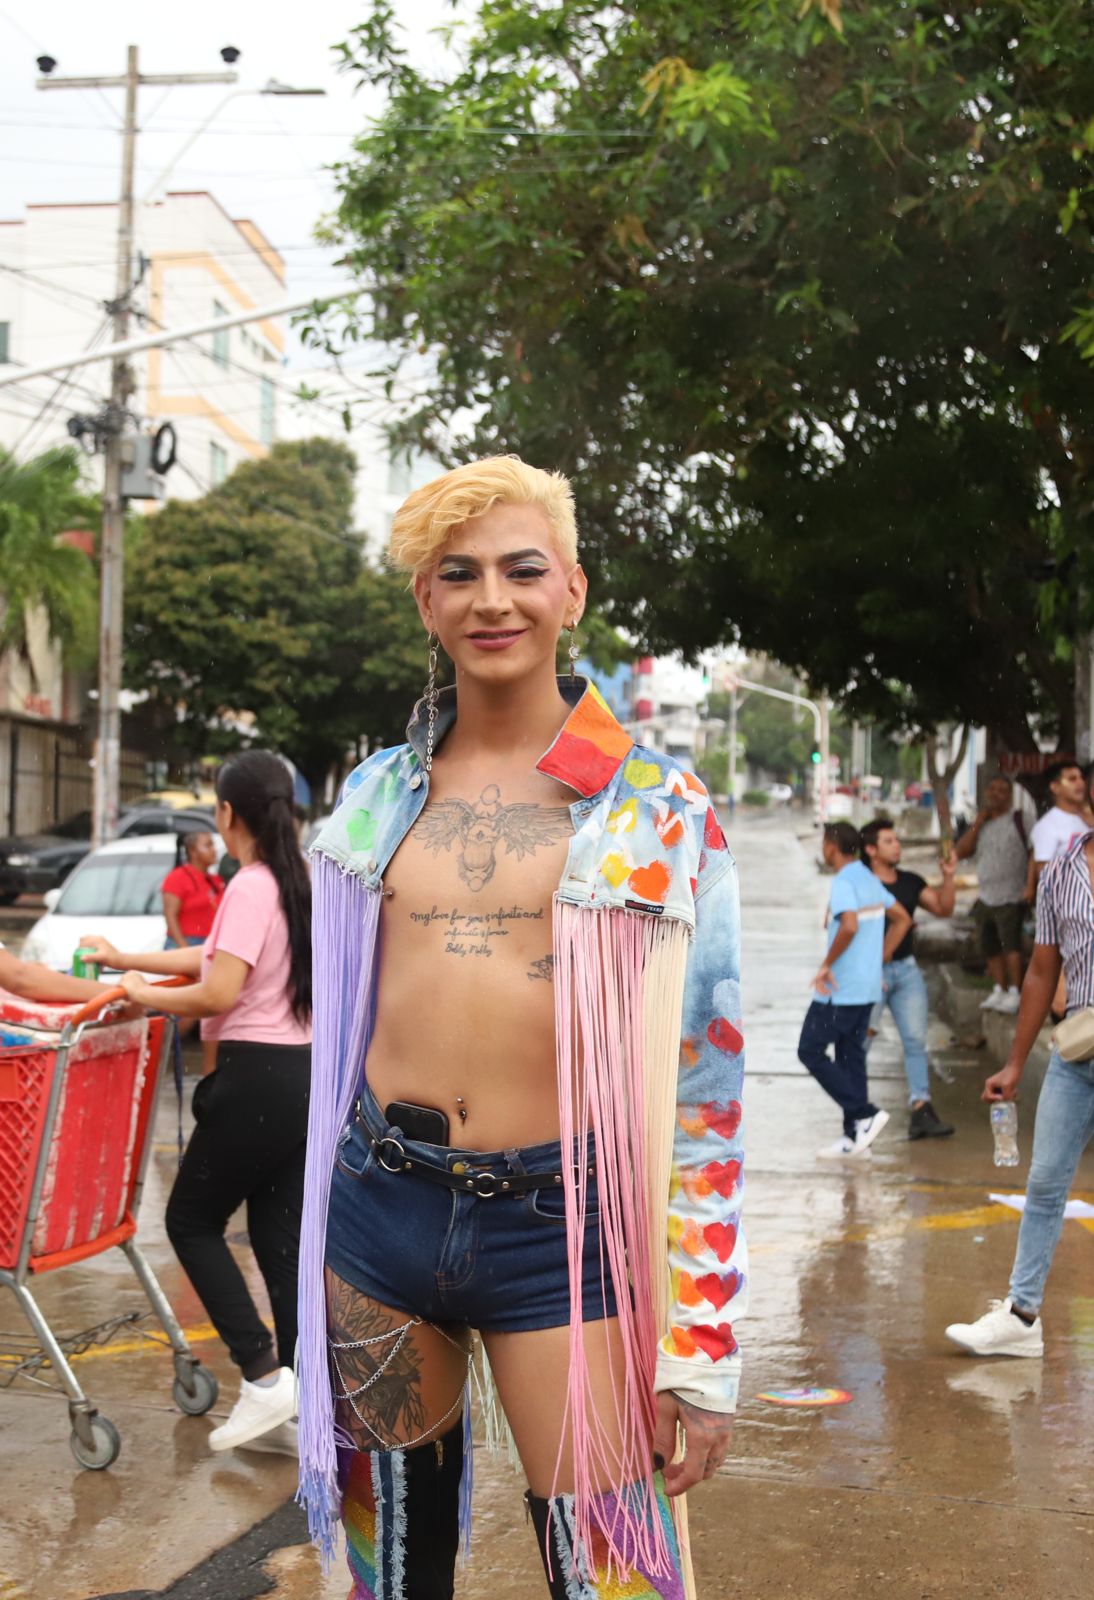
[698, 1357]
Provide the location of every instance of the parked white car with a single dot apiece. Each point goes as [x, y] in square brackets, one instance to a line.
[115, 891]
[780, 793]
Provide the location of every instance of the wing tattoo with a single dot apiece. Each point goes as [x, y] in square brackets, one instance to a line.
[440, 825]
[525, 827]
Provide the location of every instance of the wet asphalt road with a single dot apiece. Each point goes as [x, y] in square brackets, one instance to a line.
[942, 1477]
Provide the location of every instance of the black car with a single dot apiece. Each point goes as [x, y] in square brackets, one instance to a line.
[40, 861]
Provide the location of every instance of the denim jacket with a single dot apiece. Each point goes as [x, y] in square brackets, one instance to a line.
[646, 841]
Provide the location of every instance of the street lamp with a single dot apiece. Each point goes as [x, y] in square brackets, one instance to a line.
[273, 87]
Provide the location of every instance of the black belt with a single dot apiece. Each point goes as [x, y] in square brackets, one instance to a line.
[484, 1185]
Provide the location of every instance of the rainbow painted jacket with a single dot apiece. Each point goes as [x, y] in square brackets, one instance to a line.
[646, 842]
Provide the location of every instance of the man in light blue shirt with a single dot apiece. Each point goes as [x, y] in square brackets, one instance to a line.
[865, 925]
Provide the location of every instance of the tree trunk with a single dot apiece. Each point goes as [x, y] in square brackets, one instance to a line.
[941, 779]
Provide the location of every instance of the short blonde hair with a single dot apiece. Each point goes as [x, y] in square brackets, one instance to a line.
[427, 517]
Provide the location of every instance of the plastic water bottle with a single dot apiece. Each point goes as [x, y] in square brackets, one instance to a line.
[1004, 1127]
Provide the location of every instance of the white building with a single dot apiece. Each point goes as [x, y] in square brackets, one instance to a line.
[193, 261]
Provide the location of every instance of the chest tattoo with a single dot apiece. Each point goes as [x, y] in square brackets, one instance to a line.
[479, 831]
[474, 933]
[544, 968]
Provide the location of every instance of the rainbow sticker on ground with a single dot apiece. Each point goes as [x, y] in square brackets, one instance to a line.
[809, 1396]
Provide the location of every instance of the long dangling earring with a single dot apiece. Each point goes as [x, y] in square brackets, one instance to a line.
[573, 652]
[430, 698]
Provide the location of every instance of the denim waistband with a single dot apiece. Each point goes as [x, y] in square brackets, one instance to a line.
[545, 1157]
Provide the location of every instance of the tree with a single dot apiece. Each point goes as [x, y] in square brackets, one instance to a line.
[795, 292]
[39, 499]
[252, 614]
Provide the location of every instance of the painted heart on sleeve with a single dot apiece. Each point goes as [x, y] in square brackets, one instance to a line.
[641, 774]
[724, 1036]
[713, 837]
[683, 1343]
[722, 1238]
[691, 1240]
[694, 1126]
[723, 1176]
[717, 1342]
[722, 1119]
[616, 868]
[695, 1184]
[652, 882]
[361, 830]
[717, 1289]
[688, 1292]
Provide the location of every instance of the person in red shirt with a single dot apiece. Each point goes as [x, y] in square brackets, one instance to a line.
[192, 892]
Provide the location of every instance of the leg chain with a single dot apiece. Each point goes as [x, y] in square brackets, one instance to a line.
[400, 1336]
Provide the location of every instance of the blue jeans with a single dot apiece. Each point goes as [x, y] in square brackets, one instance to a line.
[1061, 1132]
[906, 996]
[843, 1074]
[500, 1263]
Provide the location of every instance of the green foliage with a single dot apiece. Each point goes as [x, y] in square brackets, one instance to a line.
[251, 612]
[798, 293]
[38, 500]
[755, 797]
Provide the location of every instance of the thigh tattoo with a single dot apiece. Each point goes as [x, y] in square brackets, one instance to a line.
[378, 1368]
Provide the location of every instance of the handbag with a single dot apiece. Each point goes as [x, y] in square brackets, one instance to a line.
[1074, 1037]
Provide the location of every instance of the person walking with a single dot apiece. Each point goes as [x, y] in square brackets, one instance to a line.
[997, 840]
[1067, 817]
[253, 996]
[866, 924]
[192, 891]
[904, 990]
[526, 1099]
[1064, 1123]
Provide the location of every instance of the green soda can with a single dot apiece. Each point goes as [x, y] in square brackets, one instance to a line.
[85, 963]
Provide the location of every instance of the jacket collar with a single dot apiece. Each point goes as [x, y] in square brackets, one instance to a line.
[586, 753]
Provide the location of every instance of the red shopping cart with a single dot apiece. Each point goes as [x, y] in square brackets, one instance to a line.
[78, 1095]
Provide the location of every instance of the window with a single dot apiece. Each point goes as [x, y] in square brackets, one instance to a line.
[266, 411]
[116, 886]
[218, 463]
[5, 342]
[220, 337]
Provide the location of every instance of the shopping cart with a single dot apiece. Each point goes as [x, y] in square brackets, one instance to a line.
[77, 1105]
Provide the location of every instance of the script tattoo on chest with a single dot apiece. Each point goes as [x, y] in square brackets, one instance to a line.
[474, 933]
[479, 831]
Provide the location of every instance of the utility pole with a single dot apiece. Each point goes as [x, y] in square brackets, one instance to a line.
[734, 701]
[107, 770]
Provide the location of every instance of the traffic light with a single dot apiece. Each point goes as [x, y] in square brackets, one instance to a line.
[815, 755]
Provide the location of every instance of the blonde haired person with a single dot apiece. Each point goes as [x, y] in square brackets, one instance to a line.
[526, 1095]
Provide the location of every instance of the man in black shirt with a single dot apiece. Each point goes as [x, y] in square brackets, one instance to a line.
[905, 990]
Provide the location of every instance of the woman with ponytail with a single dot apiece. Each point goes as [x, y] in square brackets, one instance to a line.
[253, 996]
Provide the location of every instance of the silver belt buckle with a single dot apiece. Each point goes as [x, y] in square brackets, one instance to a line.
[390, 1139]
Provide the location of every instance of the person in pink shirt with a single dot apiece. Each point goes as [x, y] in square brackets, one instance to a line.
[253, 996]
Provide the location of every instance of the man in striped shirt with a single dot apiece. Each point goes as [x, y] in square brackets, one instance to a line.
[1065, 1111]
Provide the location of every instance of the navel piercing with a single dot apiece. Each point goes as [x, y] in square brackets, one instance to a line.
[462, 1111]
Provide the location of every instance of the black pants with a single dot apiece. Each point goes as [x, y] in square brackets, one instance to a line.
[252, 1123]
[844, 1077]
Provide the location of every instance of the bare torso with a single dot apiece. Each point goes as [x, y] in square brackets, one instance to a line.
[465, 1012]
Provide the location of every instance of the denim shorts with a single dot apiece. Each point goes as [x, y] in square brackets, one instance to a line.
[499, 1264]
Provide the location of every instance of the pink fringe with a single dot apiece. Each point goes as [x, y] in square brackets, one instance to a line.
[602, 961]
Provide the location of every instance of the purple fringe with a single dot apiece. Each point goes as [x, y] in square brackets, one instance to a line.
[345, 921]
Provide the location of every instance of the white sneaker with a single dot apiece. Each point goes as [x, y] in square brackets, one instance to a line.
[258, 1409]
[842, 1147]
[866, 1131]
[993, 999]
[999, 1333]
[1010, 1002]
